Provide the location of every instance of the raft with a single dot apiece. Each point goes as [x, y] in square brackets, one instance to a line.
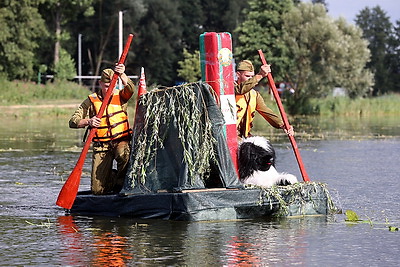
[183, 164]
[303, 199]
[182, 169]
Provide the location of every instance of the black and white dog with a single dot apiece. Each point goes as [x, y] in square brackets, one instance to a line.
[256, 158]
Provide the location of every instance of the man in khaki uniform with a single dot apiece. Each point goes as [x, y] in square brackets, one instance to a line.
[248, 100]
[113, 135]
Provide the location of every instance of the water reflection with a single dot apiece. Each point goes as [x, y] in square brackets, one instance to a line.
[111, 250]
[38, 134]
[73, 252]
[95, 246]
[241, 252]
[264, 244]
[121, 242]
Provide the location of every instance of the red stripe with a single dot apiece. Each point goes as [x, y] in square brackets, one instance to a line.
[232, 143]
[211, 57]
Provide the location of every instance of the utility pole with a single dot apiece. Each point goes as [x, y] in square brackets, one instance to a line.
[120, 31]
[80, 59]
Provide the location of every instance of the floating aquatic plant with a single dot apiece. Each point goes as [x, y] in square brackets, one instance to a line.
[352, 217]
[42, 224]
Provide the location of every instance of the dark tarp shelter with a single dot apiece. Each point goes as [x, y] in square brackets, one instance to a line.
[168, 143]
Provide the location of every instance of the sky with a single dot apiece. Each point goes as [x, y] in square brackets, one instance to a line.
[350, 8]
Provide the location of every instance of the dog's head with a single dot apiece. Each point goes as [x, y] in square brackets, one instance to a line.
[255, 154]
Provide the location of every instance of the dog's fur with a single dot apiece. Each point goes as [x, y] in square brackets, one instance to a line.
[256, 158]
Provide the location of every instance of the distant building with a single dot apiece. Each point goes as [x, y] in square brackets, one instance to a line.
[339, 91]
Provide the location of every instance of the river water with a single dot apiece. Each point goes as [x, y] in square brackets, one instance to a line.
[357, 158]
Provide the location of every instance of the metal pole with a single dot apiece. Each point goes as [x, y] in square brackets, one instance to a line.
[120, 33]
[80, 58]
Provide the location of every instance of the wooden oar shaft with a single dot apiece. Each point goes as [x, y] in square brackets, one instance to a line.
[69, 191]
[285, 119]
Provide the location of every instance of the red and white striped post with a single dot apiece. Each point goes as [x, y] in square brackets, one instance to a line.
[217, 70]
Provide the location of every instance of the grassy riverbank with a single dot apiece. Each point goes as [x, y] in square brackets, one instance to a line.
[23, 100]
[344, 106]
[23, 93]
[30, 100]
[382, 105]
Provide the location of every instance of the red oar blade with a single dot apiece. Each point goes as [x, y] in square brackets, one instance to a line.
[69, 191]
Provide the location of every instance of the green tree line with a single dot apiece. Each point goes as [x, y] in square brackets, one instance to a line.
[306, 47]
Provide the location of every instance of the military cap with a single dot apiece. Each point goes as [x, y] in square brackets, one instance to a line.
[106, 75]
[245, 65]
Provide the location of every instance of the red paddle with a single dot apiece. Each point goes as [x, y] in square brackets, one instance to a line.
[285, 120]
[69, 191]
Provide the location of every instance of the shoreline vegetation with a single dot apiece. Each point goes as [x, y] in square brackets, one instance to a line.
[24, 100]
[31, 100]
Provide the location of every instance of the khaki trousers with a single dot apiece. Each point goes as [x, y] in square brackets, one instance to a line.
[104, 179]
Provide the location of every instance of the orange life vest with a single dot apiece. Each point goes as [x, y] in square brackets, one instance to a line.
[246, 106]
[114, 122]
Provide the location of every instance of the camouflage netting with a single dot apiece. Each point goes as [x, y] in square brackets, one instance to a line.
[179, 142]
